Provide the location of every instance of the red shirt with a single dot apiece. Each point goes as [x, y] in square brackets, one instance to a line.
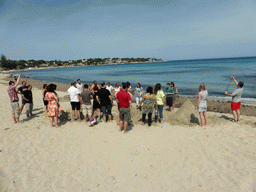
[12, 93]
[123, 98]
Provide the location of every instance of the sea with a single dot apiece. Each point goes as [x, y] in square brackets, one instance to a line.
[186, 74]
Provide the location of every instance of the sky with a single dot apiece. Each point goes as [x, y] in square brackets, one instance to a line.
[170, 30]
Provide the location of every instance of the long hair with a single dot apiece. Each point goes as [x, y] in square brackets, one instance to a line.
[139, 85]
[201, 87]
[172, 84]
[116, 84]
[157, 88]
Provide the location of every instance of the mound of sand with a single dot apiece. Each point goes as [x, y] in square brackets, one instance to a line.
[185, 115]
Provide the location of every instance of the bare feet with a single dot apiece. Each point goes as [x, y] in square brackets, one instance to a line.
[125, 132]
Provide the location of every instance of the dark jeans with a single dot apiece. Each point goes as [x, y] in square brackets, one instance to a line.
[149, 118]
[160, 111]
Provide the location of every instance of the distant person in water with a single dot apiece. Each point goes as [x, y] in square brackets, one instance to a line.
[29, 101]
[53, 104]
[169, 94]
[202, 104]
[11, 90]
[160, 102]
[74, 98]
[139, 94]
[45, 101]
[174, 96]
[236, 99]
[149, 101]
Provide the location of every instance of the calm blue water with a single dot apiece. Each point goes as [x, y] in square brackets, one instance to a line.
[187, 75]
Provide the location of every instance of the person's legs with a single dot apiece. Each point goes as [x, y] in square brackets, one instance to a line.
[201, 118]
[78, 110]
[125, 126]
[205, 118]
[99, 115]
[27, 109]
[160, 109]
[143, 118]
[156, 115]
[149, 119]
[56, 120]
[31, 109]
[104, 111]
[234, 114]
[173, 101]
[51, 119]
[73, 115]
[14, 118]
[21, 108]
[137, 101]
[238, 114]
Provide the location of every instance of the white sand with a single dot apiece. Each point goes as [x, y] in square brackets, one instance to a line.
[75, 157]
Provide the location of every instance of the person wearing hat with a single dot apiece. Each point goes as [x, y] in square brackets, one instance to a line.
[74, 98]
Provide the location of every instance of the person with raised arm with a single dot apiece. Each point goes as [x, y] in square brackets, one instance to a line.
[12, 92]
[236, 99]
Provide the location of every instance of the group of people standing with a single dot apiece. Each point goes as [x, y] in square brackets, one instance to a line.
[91, 99]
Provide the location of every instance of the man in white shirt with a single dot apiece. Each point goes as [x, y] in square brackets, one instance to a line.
[109, 87]
[74, 98]
[79, 86]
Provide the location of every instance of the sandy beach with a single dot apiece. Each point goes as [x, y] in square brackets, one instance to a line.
[181, 156]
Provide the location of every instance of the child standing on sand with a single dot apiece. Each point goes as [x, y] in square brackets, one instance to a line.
[202, 104]
[160, 102]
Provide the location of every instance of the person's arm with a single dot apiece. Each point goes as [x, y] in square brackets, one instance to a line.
[141, 92]
[97, 98]
[143, 99]
[234, 80]
[176, 92]
[111, 99]
[228, 94]
[156, 103]
[17, 82]
[130, 103]
[81, 101]
[199, 99]
[163, 98]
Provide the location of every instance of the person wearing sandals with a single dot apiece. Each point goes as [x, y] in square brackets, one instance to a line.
[202, 104]
[236, 99]
[148, 100]
[160, 102]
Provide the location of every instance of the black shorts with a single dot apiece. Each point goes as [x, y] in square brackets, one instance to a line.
[45, 102]
[75, 105]
[23, 101]
[169, 101]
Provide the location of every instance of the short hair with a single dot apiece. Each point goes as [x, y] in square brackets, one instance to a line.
[78, 79]
[241, 84]
[73, 83]
[86, 86]
[23, 82]
[168, 84]
[125, 85]
[50, 88]
[11, 82]
[44, 86]
[102, 84]
[29, 86]
[149, 90]
[94, 81]
[108, 83]
[128, 84]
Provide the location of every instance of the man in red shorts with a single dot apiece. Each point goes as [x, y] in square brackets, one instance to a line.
[236, 99]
